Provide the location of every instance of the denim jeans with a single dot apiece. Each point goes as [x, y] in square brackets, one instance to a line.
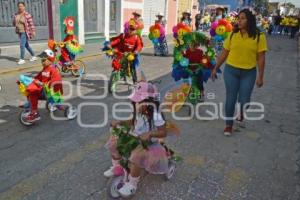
[275, 29]
[239, 85]
[24, 44]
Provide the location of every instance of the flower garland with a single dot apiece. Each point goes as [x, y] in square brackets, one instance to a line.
[157, 33]
[181, 65]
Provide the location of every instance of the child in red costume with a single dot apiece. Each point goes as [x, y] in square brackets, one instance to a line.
[195, 56]
[125, 43]
[66, 56]
[50, 76]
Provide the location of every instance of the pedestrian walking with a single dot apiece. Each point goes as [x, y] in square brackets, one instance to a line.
[243, 50]
[25, 28]
[294, 26]
[277, 20]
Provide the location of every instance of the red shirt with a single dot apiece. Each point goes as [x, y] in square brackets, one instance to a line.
[50, 75]
[127, 43]
[194, 56]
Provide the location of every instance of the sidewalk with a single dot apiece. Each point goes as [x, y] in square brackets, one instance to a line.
[8, 63]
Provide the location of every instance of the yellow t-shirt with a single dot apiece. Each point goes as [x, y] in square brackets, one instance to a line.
[243, 50]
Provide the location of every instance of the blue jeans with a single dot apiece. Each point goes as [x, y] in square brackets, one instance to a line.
[239, 85]
[275, 29]
[24, 44]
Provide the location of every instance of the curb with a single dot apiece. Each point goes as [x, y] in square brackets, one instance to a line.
[38, 65]
[16, 69]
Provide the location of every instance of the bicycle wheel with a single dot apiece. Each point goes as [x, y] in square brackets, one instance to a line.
[113, 80]
[78, 68]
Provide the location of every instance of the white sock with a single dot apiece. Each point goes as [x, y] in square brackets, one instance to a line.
[134, 180]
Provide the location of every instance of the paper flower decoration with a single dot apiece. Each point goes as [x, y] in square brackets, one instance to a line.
[220, 30]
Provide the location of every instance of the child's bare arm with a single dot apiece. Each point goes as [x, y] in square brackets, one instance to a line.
[115, 123]
[159, 133]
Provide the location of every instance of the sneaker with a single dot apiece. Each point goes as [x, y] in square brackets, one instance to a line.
[33, 58]
[21, 62]
[53, 108]
[127, 190]
[114, 171]
[33, 117]
[228, 131]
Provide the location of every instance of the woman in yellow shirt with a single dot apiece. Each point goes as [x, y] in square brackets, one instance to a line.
[243, 50]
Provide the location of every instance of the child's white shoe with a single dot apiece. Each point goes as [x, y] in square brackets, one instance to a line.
[116, 170]
[109, 173]
[53, 108]
[127, 190]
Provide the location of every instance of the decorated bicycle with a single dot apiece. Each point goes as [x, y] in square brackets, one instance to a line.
[137, 144]
[124, 51]
[69, 49]
[194, 59]
[46, 86]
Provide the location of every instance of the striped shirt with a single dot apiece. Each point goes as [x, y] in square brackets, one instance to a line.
[29, 26]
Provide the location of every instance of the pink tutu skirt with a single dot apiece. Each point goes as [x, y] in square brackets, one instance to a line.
[154, 159]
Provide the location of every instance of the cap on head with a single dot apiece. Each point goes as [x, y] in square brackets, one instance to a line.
[142, 91]
[47, 54]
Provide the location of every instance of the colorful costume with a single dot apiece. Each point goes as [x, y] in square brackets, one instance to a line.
[70, 47]
[219, 32]
[125, 43]
[46, 85]
[133, 22]
[192, 64]
[158, 37]
[154, 158]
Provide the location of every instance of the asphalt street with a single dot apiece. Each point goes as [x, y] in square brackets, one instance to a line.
[62, 160]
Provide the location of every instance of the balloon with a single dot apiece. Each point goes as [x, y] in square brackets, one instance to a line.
[151, 36]
[218, 38]
[178, 57]
[184, 62]
[161, 39]
[228, 27]
[156, 33]
[181, 32]
[175, 29]
[226, 34]
[22, 89]
[213, 62]
[162, 30]
[214, 25]
[155, 40]
[212, 32]
[26, 80]
[223, 22]
[220, 30]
